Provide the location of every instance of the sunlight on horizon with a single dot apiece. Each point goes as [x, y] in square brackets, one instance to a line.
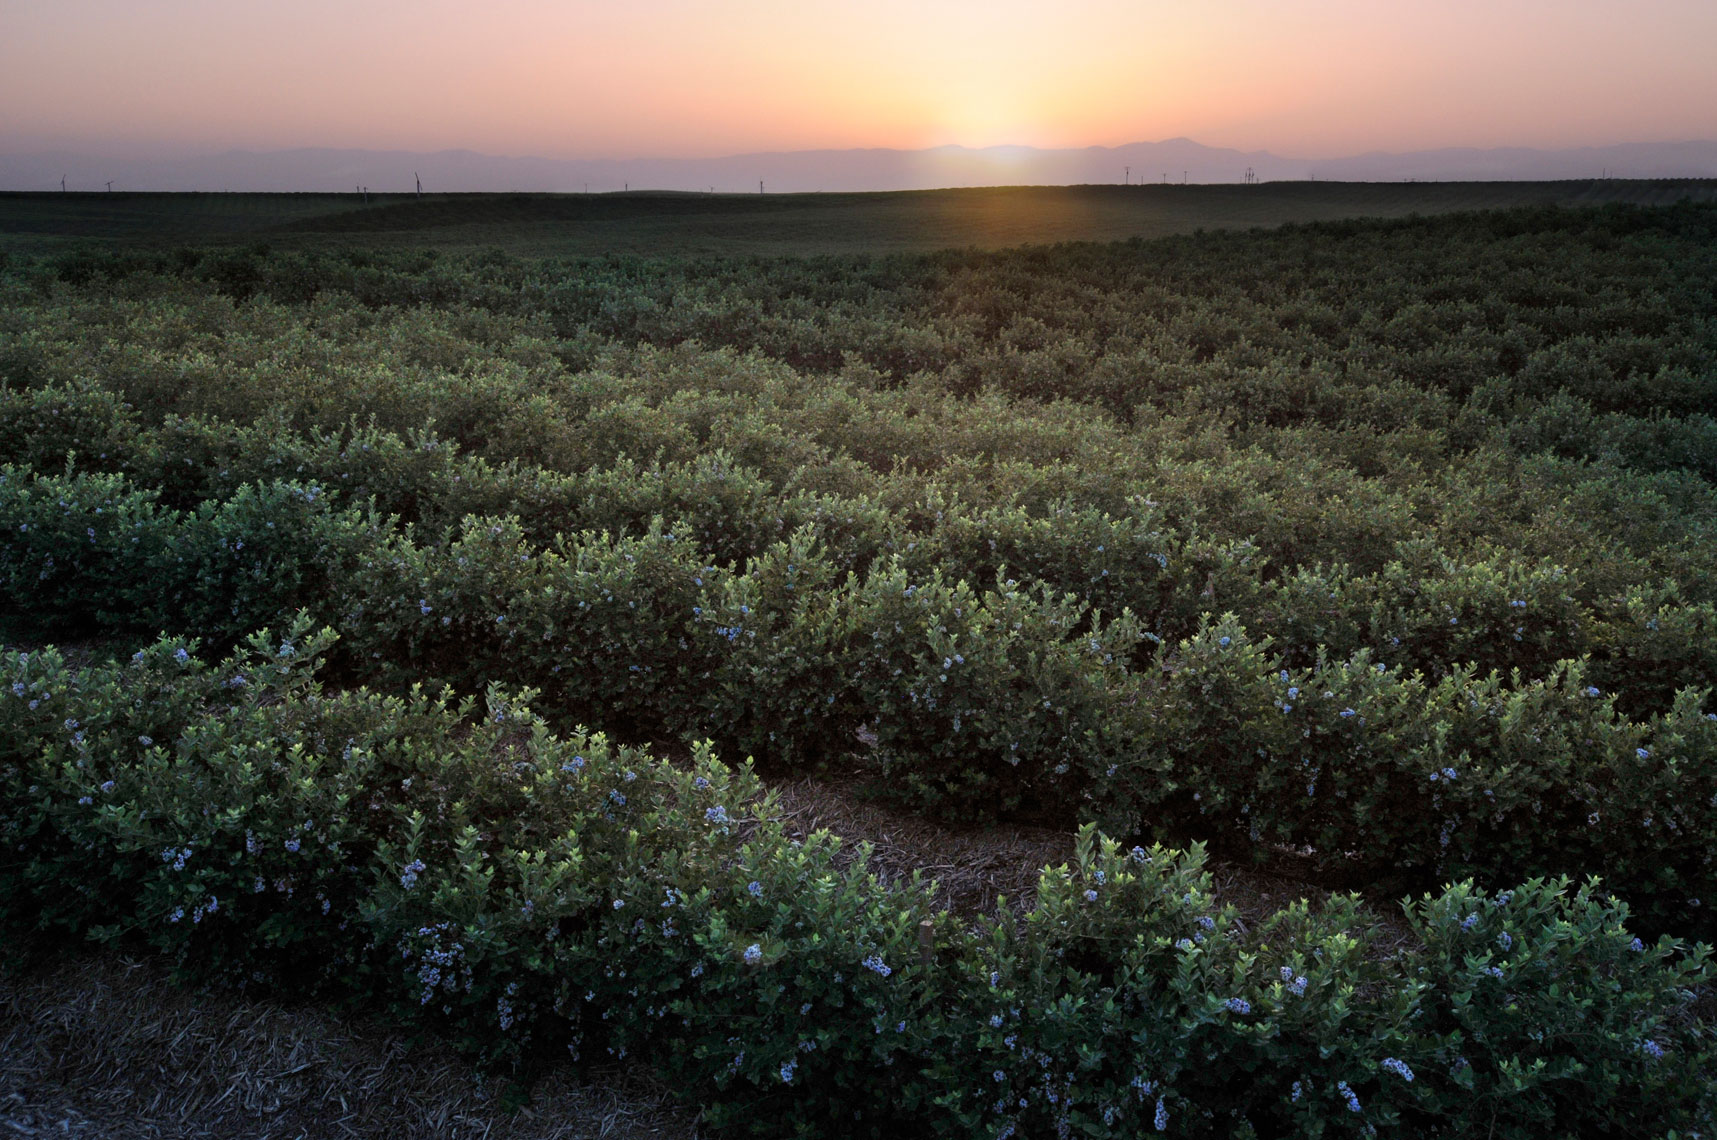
[677, 77]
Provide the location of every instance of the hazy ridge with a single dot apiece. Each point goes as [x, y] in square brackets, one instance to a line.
[1172, 160]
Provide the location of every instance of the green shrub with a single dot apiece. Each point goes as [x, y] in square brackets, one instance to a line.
[526, 893]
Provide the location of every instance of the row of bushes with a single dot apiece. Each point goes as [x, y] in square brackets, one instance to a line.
[971, 700]
[1607, 304]
[534, 895]
[1645, 620]
[1581, 334]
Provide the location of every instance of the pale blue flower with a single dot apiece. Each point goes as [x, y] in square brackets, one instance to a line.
[409, 873]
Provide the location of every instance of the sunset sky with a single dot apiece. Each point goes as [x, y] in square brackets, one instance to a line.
[580, 78]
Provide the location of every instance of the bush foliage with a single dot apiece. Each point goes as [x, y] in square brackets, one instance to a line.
[1390, 543]
[533, 895]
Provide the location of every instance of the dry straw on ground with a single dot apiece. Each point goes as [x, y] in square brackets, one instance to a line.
[109, 1047]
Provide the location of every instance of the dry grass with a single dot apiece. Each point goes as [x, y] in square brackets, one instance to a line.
[109, 1047]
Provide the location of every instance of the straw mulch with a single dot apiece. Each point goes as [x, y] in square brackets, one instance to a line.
[109, 1047]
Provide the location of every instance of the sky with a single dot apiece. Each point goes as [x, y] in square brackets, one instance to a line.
[696, 78]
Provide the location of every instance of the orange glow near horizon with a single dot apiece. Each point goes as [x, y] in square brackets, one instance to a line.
[572, 78]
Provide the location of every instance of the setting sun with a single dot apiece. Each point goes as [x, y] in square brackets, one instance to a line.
[677, 77]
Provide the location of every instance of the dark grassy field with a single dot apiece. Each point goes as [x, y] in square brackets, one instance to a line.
[649, 222]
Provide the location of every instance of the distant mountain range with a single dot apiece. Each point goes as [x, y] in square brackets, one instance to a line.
[1174, 160]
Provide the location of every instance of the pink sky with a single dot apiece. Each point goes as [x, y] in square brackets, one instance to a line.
[619, 78]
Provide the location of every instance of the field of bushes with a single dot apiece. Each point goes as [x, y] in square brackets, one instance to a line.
[1387, 544]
